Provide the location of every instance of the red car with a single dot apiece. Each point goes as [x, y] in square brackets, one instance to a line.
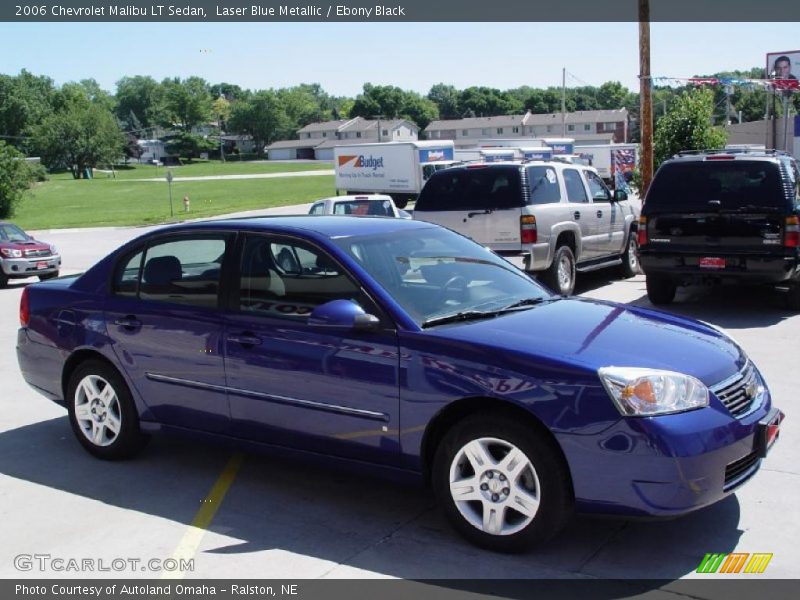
[22, 256]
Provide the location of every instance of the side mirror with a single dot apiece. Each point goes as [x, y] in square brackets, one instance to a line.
[343, 313]
[620, 195]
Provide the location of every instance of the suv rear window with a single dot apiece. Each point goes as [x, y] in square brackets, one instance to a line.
[735, 183]
[472, 188]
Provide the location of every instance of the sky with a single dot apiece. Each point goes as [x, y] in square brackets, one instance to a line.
[413, 56]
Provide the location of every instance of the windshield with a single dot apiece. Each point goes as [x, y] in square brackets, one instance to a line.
[435, 272]
[12, 233]
[733, 184]
[381, 208]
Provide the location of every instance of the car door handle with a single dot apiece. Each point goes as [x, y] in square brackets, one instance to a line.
[245, 339]
[599, 214]
[577, 215]
[129, 322]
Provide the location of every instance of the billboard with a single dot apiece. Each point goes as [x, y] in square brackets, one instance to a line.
[783, 65]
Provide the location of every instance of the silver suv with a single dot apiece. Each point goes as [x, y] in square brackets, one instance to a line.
[560, 217]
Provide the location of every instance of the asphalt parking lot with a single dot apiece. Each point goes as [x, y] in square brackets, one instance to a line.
[290, 520]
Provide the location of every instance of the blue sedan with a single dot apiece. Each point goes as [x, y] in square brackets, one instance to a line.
[402, 347]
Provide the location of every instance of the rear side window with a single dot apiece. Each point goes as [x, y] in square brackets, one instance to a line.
[543, 183]
[735, 184]
[476, 188]
[576, 192]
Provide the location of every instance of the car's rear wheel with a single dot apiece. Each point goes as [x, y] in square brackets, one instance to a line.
[630, 258]
[660, 289]
[793, 297]
[560, 276]
[502, 484]
[48, 276]
[102, 412]
[3, 280]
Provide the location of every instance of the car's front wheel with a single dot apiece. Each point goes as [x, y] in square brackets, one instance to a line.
[503, 485]
[102, 412]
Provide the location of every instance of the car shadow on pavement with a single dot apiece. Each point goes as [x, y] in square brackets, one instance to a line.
[353, 523]
[731, 307]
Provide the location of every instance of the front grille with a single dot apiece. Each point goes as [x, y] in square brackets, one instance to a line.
[740, 471]
[738, 393]
[33, 253]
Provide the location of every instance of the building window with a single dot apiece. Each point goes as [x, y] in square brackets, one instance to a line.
[385, 133]
[587, 127]
[515, 129]
[464, 132]
[549, 129]
[500, 130]
[570, 127]
[484, 132]
[324, 134]
[358, 134]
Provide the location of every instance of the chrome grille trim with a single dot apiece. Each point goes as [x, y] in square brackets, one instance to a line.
[736, 392]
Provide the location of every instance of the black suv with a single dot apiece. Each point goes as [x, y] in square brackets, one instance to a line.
[722, 216]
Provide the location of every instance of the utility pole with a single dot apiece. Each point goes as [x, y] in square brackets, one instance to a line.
[645, 98]
[564, 102]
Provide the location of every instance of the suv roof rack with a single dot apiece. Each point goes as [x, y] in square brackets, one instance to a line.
[710, 151]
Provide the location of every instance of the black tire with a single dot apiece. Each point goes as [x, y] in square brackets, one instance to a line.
[566, 285]
[48, 276]
[630, 258]
[547, 480]
[128, 440]
[793, 297]
[660, 289]
[3, 280]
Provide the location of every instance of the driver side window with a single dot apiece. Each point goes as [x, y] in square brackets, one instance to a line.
[598, 189]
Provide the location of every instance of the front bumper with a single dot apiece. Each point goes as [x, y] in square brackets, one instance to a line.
[672, 464]
[30, 267]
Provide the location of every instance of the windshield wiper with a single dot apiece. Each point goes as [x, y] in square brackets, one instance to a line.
[528, 302]
[465, 315]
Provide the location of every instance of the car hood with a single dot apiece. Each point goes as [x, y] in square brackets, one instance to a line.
[26, 245]
[596, 334]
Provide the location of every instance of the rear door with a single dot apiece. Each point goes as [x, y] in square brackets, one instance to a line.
[482, 202]
[717, 207]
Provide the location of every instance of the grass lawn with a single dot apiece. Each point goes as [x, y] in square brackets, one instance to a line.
[65, 202]
[200, 168]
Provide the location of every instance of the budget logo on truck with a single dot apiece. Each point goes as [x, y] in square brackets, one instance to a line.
[362, 162]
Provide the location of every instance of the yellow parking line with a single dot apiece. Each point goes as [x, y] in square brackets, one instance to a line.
[188, 546]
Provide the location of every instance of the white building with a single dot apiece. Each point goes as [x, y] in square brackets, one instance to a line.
[317, 140]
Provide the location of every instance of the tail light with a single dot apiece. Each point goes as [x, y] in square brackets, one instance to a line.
[527, 229]
[642, 233]
[24, 309]
[791, 236]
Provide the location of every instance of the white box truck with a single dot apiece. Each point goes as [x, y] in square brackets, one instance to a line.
[398, 169]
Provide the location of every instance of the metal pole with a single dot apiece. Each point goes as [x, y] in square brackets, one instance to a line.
[786, 121]
[564, 102]
[766, 122]
[171, 213]
[646, 99]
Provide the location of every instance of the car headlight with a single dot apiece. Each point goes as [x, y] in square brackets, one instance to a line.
[645, 392]
[11, 253]
[53, 249]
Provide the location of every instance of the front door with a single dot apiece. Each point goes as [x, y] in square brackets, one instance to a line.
[164, 320]
[290, 383]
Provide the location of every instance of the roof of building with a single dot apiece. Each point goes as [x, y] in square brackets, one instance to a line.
[283, 144]
[325, 126]
[528, 119]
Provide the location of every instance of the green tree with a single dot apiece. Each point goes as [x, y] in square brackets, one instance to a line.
[612, 96]
[189, 145]
[687, 126]
[261, 116]
[446, 99]
[24, 101]
[187, 103]
[15, 177]
[140, 100]
[80, 135]
[488, 102]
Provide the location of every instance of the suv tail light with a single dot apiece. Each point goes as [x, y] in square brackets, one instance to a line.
[791, 237]
[642, 231]
[527, 229]
[24, 309]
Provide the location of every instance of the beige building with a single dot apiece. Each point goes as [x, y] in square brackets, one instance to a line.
[586, 127]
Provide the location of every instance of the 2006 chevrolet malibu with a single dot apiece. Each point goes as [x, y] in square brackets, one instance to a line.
[402, 345]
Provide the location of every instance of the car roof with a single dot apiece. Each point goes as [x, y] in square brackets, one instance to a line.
[329, 226]
[729, 153]
[351, 197]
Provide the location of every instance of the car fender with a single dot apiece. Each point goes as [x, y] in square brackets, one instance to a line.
[556, 231]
